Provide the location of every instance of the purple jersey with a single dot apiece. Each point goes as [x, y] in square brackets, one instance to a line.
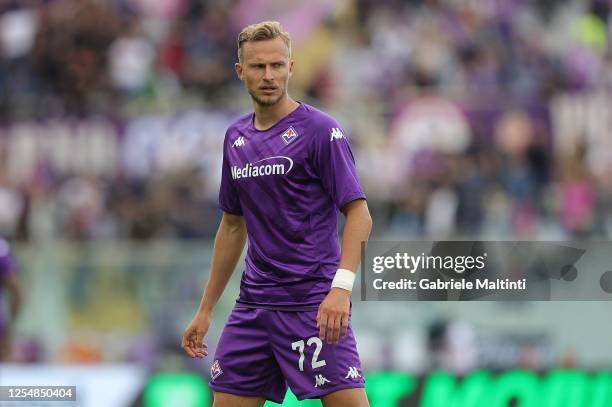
[288, 182]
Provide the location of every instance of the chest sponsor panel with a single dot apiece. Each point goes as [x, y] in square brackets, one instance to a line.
[269, 166]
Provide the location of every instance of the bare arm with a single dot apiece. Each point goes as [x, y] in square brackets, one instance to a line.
[356, 230]
[333, 315]
[229, 244]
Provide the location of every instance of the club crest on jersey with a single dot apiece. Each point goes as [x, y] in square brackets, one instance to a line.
[215, 370]
[289, 135]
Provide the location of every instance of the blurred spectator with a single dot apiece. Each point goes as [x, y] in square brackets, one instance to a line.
[12, 207]
[578, 198]
[452, 346]
[131, 58]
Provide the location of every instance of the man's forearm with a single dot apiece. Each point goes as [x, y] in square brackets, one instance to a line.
[229, 244]
[356, 230]
[334, 312]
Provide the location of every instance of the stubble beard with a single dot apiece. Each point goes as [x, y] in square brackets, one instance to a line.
[266, 102]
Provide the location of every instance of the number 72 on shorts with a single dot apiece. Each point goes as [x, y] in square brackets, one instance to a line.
[299, 346]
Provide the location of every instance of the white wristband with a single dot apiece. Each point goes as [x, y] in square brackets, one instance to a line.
[344, 279]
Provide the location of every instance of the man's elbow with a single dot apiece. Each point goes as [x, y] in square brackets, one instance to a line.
[367, 218]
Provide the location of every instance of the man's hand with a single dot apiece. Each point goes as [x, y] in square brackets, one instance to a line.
[193, 337]
[333, 315]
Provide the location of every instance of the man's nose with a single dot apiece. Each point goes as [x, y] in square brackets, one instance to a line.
[268, 73]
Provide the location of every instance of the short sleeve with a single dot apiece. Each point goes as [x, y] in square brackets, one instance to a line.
[228, 195]
[334, 163]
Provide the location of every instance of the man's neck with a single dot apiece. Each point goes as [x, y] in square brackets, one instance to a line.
[268, 116]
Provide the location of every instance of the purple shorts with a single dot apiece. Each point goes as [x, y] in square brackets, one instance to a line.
[262, 351]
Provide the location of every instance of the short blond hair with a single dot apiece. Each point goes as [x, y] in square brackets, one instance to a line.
[266, 30]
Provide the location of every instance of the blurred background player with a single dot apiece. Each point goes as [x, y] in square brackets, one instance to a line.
[287, 170]
[9, 285]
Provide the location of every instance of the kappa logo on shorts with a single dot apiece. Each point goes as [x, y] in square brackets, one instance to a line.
[352, 373]
[215, 370]
[320, 380]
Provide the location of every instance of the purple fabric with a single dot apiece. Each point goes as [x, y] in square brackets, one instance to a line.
[288, 182]
[259, 355]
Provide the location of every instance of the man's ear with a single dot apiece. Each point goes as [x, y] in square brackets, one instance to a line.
[238, 69]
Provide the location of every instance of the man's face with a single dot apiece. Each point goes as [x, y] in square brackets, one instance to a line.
[265, 70]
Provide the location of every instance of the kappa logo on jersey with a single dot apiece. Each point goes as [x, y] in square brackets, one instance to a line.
[289, 135]
[336, 134]
[215, 370]
[352, 373]
[320, 380]
[277, 165]
[239, 142]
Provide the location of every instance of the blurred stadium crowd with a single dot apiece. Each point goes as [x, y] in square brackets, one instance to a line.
[468, 118]
[484, 119]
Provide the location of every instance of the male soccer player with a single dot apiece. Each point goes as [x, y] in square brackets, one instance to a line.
[8, 282]
[287, 170]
